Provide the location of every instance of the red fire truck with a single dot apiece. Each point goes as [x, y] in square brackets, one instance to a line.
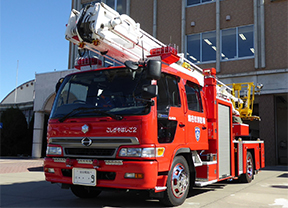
[158, 123]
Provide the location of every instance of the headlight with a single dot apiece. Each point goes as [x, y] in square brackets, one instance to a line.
[148, 152]
[54, 151]
[140, 152]
[130, 152]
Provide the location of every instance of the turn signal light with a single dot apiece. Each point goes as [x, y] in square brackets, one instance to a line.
[134, 175]
[49, 170]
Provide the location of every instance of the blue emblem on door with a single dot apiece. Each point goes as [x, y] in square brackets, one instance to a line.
[197, 133]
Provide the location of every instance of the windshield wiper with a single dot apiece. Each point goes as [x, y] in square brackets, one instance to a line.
[95, 110]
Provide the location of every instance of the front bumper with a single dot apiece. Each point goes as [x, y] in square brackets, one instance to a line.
[109, 175]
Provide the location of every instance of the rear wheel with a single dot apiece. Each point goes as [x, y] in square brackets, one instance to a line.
[84, 192]
[249, 175]
[177, 183]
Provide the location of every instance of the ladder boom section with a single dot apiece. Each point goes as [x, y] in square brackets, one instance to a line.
[99, 27]
[104, 31]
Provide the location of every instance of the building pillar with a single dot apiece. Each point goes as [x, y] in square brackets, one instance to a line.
[37, 134]
[267, 130]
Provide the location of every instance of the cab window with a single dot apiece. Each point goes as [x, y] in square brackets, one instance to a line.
[193, 97]
[168, 96]
[168, 93]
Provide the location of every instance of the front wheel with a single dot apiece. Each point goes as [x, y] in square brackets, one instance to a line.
[84, 192]
[177, 183]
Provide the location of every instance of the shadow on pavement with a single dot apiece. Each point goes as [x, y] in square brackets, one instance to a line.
[44, 194]
[37, 169]
[276, 168]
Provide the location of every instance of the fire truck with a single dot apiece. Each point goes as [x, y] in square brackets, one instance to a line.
[156, 123]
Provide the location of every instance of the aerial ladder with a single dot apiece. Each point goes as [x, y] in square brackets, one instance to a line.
[102, 30]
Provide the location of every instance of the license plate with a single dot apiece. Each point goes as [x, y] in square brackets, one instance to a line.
[82, 176]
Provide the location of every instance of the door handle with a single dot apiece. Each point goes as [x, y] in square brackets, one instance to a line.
[181, 125]
[204, 127]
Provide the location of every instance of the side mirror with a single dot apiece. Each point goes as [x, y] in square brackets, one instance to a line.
[153, 69]
[131, 65]
[58, 84]
[149, 91]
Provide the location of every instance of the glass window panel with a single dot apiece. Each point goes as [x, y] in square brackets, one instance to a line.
[193, 48]
[206, 0]
[168, 93]
[173, 91]
[192, 2]
[111, 3]
[209, 46]
[229, 44]
[245, 41]
[121, 6]
[93, 2]
[193, 97]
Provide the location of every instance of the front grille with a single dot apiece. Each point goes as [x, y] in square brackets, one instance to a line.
[89, 151]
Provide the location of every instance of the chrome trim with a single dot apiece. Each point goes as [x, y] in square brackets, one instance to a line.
[63, 160]
[113, 162]
[160, 188]
[97, 143]
[85, 161]
[204, 183]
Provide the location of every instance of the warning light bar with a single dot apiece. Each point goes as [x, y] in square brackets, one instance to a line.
[85, 63]
[168, 54]
[163, 50]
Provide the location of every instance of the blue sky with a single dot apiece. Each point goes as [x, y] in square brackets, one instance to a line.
[31, 31]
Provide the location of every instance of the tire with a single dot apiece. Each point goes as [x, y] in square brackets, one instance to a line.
[177, 183]
[84, 192]
[249, 175]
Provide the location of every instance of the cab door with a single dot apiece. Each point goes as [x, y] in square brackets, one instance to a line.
[197, 133]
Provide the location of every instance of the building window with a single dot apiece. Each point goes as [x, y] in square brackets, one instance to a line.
[229, 46]
[246, 41]
[236, 43]
[201, 47]
[118, 5]
[196, 2]
[209, 46]
[193, 48]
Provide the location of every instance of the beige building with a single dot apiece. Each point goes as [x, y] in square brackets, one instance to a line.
[246, 41]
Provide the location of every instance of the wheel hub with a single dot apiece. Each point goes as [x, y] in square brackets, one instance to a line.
[180, 180]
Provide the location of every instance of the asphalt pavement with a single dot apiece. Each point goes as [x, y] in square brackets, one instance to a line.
[22, 184]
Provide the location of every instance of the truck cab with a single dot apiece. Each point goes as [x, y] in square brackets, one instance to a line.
[110, 120]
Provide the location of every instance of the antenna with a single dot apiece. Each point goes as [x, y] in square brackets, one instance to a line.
[16, 82]
[142, 51]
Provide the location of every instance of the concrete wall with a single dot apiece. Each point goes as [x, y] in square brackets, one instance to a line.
[276, 31]
[44, 94]
[142, 12]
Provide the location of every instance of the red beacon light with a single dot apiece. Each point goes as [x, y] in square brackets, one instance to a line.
[85, 63]
[168, 54]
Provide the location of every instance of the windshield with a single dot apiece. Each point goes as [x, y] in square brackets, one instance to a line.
[114, 92]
